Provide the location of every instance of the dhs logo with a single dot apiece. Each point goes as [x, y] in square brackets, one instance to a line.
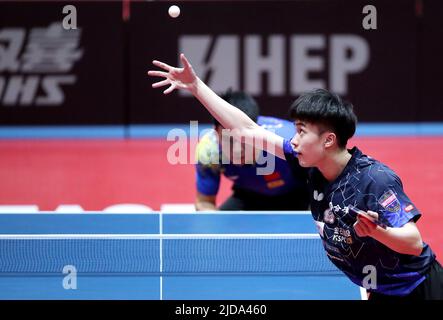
[36, 64]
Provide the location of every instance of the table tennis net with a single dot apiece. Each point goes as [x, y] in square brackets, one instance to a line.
[161, 255]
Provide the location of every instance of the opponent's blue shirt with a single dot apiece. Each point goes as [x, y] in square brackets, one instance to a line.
[211, 164]
[367, 184]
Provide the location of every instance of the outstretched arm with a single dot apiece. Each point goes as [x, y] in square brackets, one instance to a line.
[229, 116]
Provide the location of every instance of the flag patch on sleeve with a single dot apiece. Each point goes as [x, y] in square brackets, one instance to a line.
[389, 201]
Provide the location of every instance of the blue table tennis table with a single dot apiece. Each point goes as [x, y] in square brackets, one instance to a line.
[166, 256]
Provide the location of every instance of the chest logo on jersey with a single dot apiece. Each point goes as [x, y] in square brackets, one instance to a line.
[318, 196]
[389, 201]
[342, 236]
[337, 208]
[328, 216]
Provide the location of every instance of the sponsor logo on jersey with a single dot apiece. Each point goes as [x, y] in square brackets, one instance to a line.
[318, 196]
[329, 216]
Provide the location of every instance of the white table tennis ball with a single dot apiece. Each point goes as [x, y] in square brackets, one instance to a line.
[174, 11]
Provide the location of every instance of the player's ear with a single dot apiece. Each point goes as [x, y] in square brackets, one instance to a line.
[330, 139]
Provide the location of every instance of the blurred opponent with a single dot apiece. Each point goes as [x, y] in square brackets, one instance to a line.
[285, 188]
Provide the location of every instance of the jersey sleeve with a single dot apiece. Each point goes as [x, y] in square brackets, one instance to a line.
[390, 201]
[290, 154]
[208, 179]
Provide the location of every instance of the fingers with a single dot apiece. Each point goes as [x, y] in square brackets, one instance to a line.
[372, 214]
[158, 74]
[160, 83]
[358, 229]
[185, 61]
[364, 227]
[366, 221]
[170, 89]
[162, 65]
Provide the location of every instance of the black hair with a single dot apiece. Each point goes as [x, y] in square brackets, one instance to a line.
[242, 101]
[322, 107]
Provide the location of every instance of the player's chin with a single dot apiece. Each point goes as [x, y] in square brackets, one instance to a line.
[302, 161]
[304, 165]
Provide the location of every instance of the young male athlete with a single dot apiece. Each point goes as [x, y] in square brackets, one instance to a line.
[365, 219]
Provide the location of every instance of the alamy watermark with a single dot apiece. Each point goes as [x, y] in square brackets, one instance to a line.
[70, 20]
[369, 21]
[232, 146]
[70, 280]
[370, 281]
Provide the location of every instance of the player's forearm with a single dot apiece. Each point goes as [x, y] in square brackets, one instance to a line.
[405, 240]
[229, 116]
[232, 118]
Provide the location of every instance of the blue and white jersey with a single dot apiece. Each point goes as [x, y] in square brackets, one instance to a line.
[366, 184]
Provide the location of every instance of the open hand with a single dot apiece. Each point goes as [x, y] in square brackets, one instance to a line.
[177, 78]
